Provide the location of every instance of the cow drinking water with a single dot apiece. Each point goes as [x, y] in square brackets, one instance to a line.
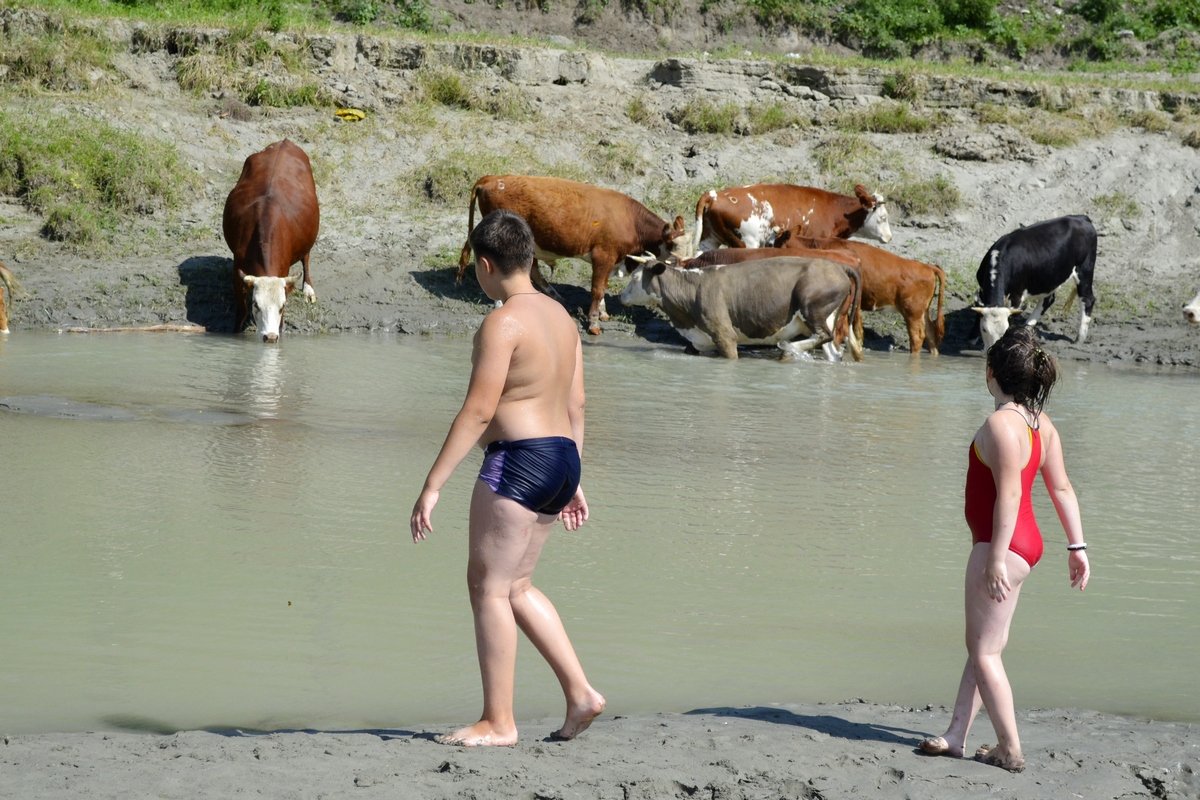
[765, 301]
[1034, 261]
[270, 222]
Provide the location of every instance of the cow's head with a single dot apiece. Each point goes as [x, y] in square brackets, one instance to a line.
[1191, 311]
[267, 298]
[875, 226]
[641, 289]
[993, 322]
[673, 243]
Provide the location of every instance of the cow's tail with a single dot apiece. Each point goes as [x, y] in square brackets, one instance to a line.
[939, 321]
[855, 313]
[10, 281]
[464, 257]
[702, 205]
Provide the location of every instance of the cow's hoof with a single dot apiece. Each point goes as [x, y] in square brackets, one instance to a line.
[310, 294]
[594, 329]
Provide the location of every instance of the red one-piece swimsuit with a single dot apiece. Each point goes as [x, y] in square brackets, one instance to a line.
[981, 502]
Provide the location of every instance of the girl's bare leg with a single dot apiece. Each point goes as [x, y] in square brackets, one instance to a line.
[984, 680]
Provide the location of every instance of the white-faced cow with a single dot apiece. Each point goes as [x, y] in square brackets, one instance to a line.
[575, 220]
[758, 215]
[1191, 310]
[7, 281]
[1033, 262]
[767, 301]
[270, 222]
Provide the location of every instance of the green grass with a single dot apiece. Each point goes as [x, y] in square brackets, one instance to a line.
[1117, 204]
[701, 116]
[83, 176]
[448, 180]
[67, 58]
[887, 116]
[922, 196]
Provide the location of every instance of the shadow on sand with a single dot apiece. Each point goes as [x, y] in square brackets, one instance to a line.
[821, 723]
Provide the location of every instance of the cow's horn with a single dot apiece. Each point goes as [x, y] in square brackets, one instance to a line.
[646, 259]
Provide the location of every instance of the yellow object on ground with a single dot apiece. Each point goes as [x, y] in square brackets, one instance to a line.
[350, 114]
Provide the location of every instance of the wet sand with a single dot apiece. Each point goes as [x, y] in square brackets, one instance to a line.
[853, 749]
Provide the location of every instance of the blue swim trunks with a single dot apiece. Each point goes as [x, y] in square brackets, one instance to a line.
[541, 474]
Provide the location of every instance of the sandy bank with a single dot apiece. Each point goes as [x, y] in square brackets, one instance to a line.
[795, 751]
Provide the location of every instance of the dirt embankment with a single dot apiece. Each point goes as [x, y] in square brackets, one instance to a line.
[389, 241]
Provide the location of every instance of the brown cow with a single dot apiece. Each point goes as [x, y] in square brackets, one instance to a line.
[575, 220]
[891, 280]
[755, 216]
[9, 281]
[270, 222]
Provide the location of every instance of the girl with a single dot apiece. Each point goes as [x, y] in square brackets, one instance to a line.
[1015, 442]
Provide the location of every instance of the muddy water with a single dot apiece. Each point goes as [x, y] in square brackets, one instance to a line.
[203, 531]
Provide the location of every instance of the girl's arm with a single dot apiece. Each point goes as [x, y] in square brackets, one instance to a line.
[1066, 504]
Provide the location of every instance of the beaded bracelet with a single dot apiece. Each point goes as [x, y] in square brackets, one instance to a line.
[1080, 546]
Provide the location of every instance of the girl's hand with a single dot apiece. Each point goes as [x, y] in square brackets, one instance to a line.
[422, 514]
[1077, 565]
[575, 513]
[995, 578]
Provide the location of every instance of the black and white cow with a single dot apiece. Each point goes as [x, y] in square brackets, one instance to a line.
[1034, 261]
[766, 301]
[1191, 310]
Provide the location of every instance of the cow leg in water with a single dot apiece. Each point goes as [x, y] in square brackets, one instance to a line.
[914, 319]
[310, 294]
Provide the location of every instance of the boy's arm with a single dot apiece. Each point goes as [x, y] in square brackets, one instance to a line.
[576, 512]
[494, 345]
[578, 400]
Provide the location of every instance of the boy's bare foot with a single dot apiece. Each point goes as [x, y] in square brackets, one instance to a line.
[579, 717]
[939, 746]
[481, 734]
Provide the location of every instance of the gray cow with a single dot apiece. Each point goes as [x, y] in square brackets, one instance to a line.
[767, 301]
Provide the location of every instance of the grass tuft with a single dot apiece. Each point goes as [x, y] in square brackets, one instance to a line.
[84, 176]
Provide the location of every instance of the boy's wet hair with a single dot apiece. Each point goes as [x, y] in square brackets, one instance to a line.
[505, 239]
[1022, 368]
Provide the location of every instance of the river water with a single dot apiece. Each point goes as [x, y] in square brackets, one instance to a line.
[203, 531]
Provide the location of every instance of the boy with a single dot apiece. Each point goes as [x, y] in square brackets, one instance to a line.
[524, 404]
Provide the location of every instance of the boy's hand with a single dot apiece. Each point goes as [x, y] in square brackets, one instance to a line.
[422, 514]
[575, 513]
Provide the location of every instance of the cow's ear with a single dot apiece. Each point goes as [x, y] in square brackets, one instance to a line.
[658, 269]
[247, 279]
[678, 228]
[290, 282]
[866, 198]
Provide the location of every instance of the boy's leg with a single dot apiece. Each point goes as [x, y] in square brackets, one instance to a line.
[538, 618]
[500, 534]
